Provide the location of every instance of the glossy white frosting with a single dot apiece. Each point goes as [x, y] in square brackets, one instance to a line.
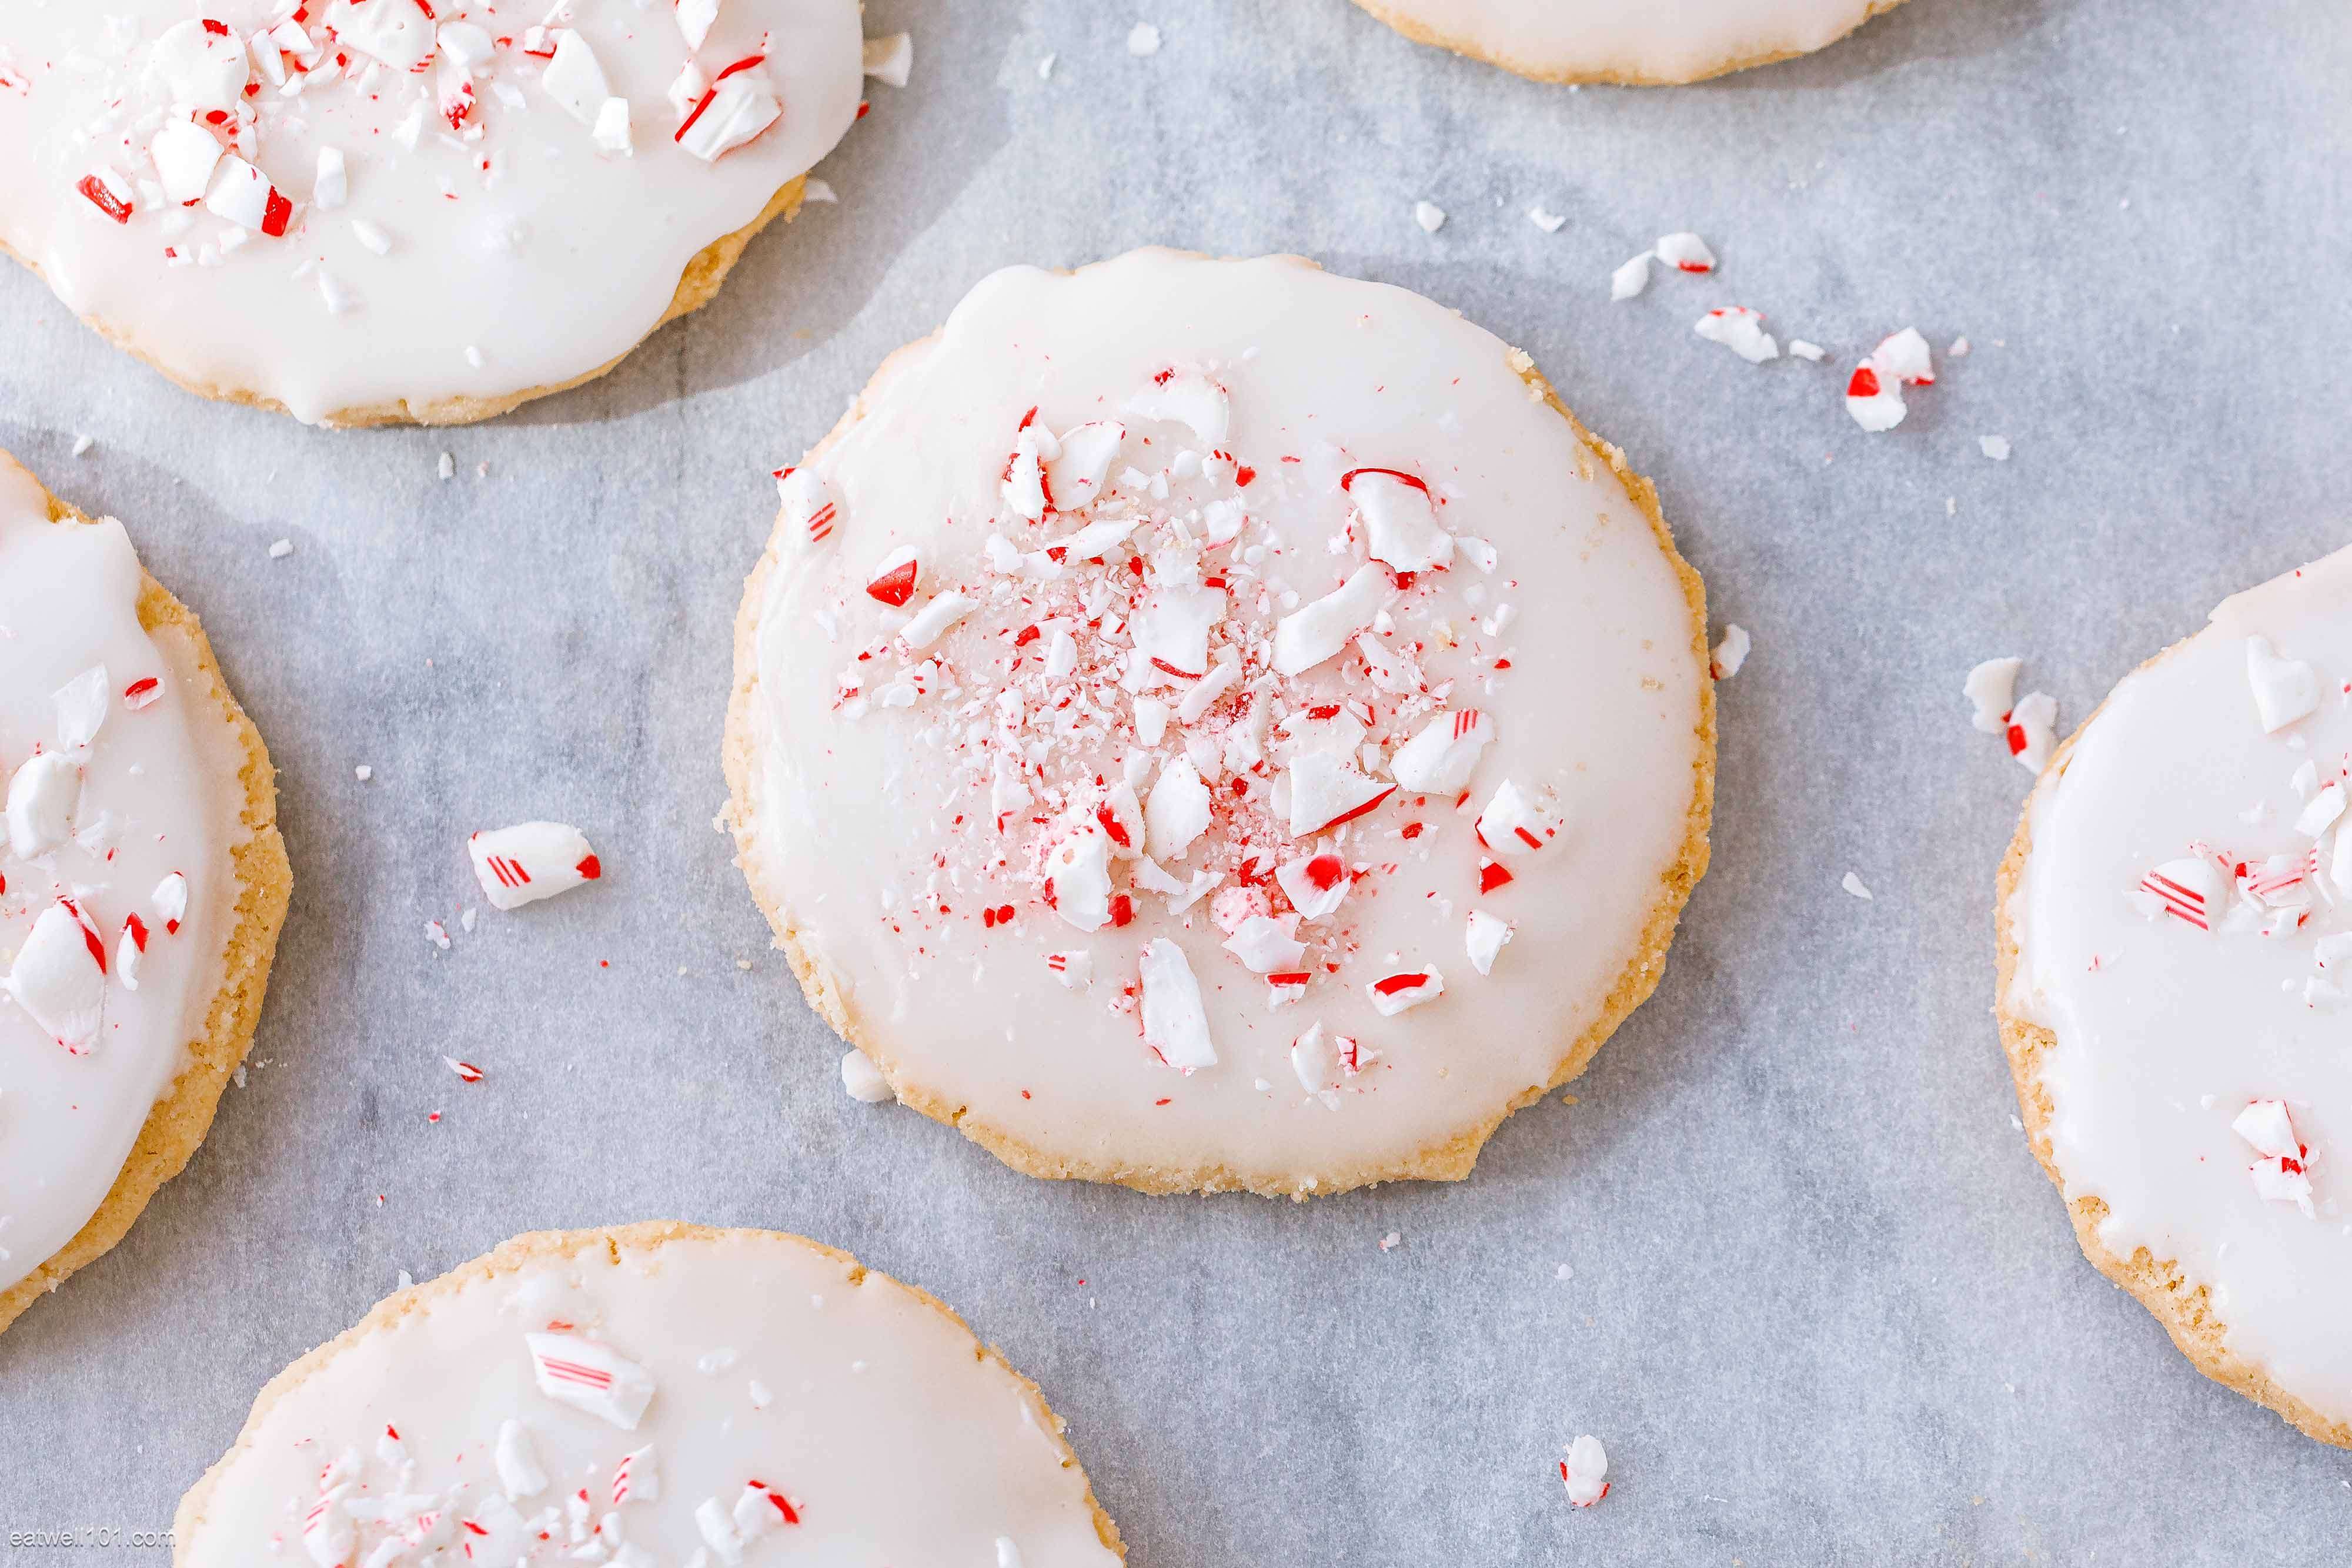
[2166, 1033]
[159, 794]
[506, 252]
[870, 1411]
[1666, 40]
[874, 834]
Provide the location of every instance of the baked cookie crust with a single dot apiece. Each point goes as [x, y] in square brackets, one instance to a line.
[1422, 33]
[265, 883]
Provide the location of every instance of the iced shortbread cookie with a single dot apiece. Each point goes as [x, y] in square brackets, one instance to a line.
[1214, 724]
[654, 1395]
[141, 885]
[1607, 40]
[370, 211]
[2174, 939]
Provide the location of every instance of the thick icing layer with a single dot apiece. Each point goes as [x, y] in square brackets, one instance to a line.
[1671, 41]
[1201, 981]
[154, 793]
[707, 1399]
[2187, 975]
[482, 236]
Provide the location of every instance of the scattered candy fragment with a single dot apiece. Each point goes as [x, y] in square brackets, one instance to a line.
[1732, 651]
[890, 59]
[1585, 1471]
[1854, 885]
[862, 1078]
[532, 861]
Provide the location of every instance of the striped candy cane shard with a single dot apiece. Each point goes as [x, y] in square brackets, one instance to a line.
[1485, 937]
[2033, 730]
[1686, 252]
[2188, 890]
[1513, 825]
[740, 105]
[1028, 492]
[519, 1475]
[2280, 1176]
[590, 1377]
[130, 950]
[1175, 1024]
[1074, 477]
[1074, 971]
[809, 513]
[1325, 790]
[1315, 884]
[1287, 987]
[1393, 994]
[894, 580]
[170, 901]
[497, 1532]
[1440, 759]
[329, 1533]
[2281, 882]
[2285, 690]
[59, 977]
[532, 861]
[1741, 330]
[1078, 875]
[2319, 813]
[760, 1509]
[1492, 874]
[1585, 1471]
[693, 21]
[1399, 519]
[1992, 690]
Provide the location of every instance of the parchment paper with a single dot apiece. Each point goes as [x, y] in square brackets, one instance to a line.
[1822, 1307]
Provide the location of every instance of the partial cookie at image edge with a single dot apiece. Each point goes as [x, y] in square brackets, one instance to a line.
[1423, 33]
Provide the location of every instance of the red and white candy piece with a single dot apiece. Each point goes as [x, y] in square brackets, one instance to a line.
[1393, 994]
[59, 977]
[1512, 824]
[1992, 691]
[895, 579]
[1315, 884]
[1325, 790]
[1027, 491]
[1686, 252]
[2284, 689]
[1077, 876]
[532, 861]
[1730, 654]
[244, 195]
[2188, 890]
[1440, 759]
[1875, 394]
[110, 193]
[761, 1509]
[2319, 813]
[1171, 631]
[1074, 477]
[1323, 1061]
[740, 104]
[1178, 811]
[201, 64]
[590, 1377]
[1174, 1022]
[809, 509]
[520, 1474]
[130, 950]
[932, 621]
[44, 795]
[2280, 1176]
[1316, 631]
[637, 1476]
[1400, 520]
[1188, 398]
[1741, 330]
[170, 901]
[2033, 730]
[1074, 971]
[1485, 936]
[1585, 1471]
[329, 1533]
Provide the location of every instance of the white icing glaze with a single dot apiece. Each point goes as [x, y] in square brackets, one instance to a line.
[1034, 1027]
[158, 794]
[2165, 1033]
[865, 1408]
[1664, 41]
[481, 261]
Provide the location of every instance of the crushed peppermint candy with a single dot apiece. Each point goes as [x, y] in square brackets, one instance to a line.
[1873, 395]
[2281, 1174]
[1741, 330]
[532, 861]
[1584, 1472]
[1731, 652]
[862, 1078]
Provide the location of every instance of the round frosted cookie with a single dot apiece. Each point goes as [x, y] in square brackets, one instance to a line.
[370, 210]
[1170, 688]
[2175, 932]
[653, 1395]
[1607, 41]
[141, 885]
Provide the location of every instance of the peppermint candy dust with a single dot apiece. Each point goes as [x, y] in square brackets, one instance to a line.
[2182, 921]
[1181, 693]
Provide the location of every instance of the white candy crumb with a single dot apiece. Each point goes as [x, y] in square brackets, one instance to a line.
[448, 466]
[1391, 1241]
[889, 59]
[362, 773]
[863, 1078]
[1992, 691]
[1853, 885]
[281, 549]
[1143, 39]
[1994, 446]
[1805, 350]
[1429, 216]
[1548, 222]
[437, 934]
[1732, 651]
[1960, 348]
[1630, 278]
[1585, 1471]
[82, 444]
[1045, 68]
[1563, 1272]
[407, 1281]
[815, 190]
